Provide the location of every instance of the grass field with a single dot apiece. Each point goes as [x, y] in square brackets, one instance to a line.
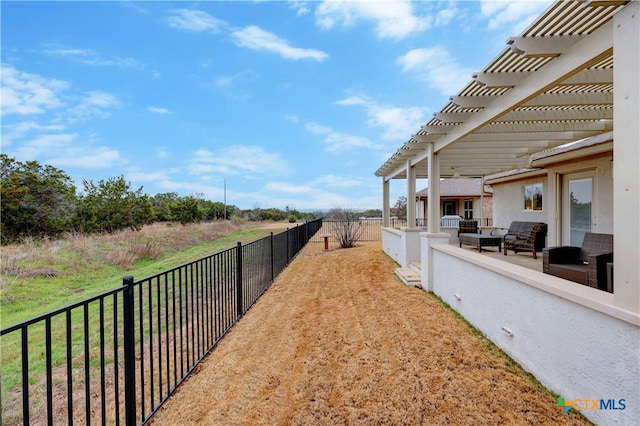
[39, 277]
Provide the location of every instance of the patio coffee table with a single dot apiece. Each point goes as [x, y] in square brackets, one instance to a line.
[480, 241]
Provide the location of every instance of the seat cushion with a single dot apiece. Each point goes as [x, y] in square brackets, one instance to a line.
[573, 272]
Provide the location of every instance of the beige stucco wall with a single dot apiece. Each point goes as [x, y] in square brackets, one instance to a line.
[602, 166]
[508, 204]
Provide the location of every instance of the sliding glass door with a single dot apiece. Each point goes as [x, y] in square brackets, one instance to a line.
[578, 211]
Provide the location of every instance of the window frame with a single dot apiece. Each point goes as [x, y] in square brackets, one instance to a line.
[533, 197]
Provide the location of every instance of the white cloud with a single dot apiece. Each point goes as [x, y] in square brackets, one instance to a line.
[237, 159]
[288, 188]
[437, 68]
[25, 94]
[228, 80]
[292, 118]
[393, 19]
[88, 157]
[66, 150]
[514, 14]
[93, 104]
[162, 152]
[334, 181]
[445, 16]
[397, 122]
[196, 21]
[255, 38]
[45, 144]
[337, 142]
[301, 7]
[158, 110]
[91, 57]
[19, 130]
[138, 175]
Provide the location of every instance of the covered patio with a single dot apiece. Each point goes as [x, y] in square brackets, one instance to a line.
[552, 85]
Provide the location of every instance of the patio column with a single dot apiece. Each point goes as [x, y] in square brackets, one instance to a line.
[433, 235]
[411, 195]
[626, 157]
[552, 203]
[385, 202]
[433, 190]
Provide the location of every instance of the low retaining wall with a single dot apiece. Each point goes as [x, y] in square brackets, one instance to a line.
[570, 337]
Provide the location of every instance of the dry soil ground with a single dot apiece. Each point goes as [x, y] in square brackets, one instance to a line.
[338, 339]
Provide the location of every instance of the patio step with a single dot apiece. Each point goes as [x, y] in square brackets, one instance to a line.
[408, 276]
[416, 266]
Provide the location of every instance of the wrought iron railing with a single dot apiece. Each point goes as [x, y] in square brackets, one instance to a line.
[116, 357]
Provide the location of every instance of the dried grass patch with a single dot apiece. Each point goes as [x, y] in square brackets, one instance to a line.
[337, 339]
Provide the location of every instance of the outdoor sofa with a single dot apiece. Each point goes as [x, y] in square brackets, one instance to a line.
[525, 236]
[586, 265]
[468, 226]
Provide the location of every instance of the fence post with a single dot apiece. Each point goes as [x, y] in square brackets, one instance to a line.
[239, 278]
[287, 245]
[272, 256]
[129, 353]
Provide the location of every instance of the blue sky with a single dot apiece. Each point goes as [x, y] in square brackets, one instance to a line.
[290, 103]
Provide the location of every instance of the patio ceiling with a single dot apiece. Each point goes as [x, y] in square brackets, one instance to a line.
[551, 85]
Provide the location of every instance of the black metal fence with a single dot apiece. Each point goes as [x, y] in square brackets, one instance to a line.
[116, 357]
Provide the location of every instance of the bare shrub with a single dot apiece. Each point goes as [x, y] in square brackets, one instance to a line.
[121, 257]
[347, 229]
[39, 273]
[82, 243]
[10, 266]
[145, 248]
[237, 220]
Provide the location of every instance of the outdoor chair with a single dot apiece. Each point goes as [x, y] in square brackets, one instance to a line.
[525, 236]
[585, 265]
[469, 226]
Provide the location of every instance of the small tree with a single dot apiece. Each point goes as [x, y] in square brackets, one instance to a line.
[400, 208]
[347, 228]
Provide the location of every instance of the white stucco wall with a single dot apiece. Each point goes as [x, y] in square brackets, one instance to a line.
[585, 350]
[402, 245]
[392, 244]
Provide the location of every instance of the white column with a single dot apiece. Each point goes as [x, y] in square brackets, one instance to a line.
[433, 235]
[551, 203]
[385, 202]
[626, 157]
[411, 195]
[433, 207]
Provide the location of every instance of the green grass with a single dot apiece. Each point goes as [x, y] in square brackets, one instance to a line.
[26, 298]
[79, 275]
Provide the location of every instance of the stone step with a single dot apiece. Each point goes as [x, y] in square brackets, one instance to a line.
[416, 266]
[408, 276]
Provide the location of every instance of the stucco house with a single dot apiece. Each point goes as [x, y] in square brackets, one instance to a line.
[553, 120]
[463, 197]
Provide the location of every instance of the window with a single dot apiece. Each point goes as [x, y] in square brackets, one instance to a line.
[449, 208]
[533, 197]
[468, 209]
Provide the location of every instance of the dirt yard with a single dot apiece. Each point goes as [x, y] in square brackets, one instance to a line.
[338, 339]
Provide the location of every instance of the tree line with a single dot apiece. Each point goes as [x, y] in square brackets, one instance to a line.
[42, 200]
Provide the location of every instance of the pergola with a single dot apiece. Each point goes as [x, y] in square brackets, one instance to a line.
[551, 85]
